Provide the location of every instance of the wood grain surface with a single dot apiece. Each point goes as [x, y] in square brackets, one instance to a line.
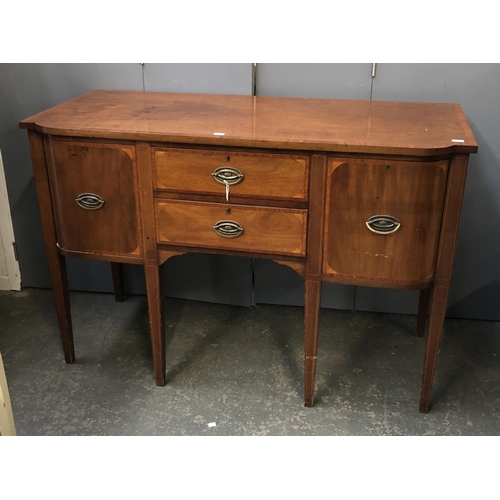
[106, 170]
[265, 230]
[269, 122]
[412, 192]
[277, 177]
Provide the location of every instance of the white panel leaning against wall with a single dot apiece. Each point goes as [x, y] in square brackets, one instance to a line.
[10, 277]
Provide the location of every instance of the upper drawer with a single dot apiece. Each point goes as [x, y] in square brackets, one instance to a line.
[249, 175]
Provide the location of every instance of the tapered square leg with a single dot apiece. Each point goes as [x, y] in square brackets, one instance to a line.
[436, 322]
[311, 318]
[423, 310]
[117, 272]
[154, 289]
[57, 263]
[444, 266]
[59, 278]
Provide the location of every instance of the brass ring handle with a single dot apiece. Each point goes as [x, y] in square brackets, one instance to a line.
[227, 175]
[228, 228]
[89, 201]
[383, 224]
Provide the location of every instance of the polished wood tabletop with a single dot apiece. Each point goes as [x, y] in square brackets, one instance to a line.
[338, 125]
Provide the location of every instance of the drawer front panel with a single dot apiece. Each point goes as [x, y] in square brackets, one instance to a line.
[95, 197]
[383, 219]
[231, 227]
[280, 177]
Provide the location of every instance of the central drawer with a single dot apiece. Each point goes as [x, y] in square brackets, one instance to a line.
[231, 227]
[248, 175]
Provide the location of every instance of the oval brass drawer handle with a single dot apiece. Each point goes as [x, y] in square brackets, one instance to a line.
[89, 201]
[383, 224]
[227, 175]
[228, 229]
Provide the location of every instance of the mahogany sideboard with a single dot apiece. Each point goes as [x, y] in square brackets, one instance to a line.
[356, 192]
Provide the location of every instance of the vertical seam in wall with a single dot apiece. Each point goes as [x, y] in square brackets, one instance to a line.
[143, 81]
[355, 286]
[253, 89]
[254, 79]
[373, 78]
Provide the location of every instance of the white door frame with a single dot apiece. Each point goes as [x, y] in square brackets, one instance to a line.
[13, 279]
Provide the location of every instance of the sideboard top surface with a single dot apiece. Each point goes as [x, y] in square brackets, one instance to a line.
[336, 125]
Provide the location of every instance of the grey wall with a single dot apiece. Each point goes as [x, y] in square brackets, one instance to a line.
[26, 89]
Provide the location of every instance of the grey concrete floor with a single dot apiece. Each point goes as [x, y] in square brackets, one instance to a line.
[240, 368]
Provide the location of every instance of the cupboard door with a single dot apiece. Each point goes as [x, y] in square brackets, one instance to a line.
[383, 219]
[95, 196]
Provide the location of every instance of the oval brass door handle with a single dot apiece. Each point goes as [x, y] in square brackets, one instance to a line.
[383, 224]
[89, 201]
[227, 175]
[228, 228]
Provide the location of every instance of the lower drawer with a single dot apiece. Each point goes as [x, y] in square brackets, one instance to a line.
[231, 227]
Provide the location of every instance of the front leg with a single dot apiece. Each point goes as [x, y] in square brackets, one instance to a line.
[57, 263]
[155, 291]
[311, 317]
[436, 322]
